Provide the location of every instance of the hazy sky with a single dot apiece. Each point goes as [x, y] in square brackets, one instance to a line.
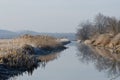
[52, 15]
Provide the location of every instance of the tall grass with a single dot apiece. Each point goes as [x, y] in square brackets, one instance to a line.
[39, 41]
[20, 52]
[18, 60]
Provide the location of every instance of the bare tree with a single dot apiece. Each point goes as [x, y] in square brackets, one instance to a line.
[85, 31]
[113, 25]
[102, 24]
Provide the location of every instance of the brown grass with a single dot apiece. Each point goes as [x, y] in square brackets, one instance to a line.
[18, 60]
[38, 41]
[16, 52]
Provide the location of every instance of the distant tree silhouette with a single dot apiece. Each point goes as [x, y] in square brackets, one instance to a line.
[101, 24]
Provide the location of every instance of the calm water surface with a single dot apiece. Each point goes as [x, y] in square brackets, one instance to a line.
[70, 64]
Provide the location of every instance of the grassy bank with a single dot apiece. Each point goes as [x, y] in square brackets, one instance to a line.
[104, 31]
[19, 60]
[23, 52]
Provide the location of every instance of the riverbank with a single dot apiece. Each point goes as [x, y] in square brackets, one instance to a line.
[106, 40]
[104, 31]
[25, 51]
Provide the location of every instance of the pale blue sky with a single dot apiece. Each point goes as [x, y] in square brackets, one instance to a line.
[52, 15]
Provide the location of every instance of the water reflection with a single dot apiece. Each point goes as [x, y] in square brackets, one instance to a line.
[47, 58]
[102, 58]
[7, 72]
[10, 73]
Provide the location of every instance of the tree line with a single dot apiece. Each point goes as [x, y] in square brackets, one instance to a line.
[102, 24]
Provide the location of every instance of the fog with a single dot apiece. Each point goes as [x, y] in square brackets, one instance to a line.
[52, 15]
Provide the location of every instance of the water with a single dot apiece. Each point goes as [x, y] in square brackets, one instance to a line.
[70, 64]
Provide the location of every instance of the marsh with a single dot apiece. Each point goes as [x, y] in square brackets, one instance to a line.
[77, 62]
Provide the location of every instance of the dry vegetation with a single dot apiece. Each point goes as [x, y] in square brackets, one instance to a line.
[104, 31]
[18, 60]
[20, 52]
[101, 25]
[39, 41]
[102, 59]
[100, 43]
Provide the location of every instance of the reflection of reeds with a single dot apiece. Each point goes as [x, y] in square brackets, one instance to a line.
[18, 50]
[47, 58]
[103, 59]
[16, 63]
[20, 54]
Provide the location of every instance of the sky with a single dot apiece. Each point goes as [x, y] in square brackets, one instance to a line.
[52, 15]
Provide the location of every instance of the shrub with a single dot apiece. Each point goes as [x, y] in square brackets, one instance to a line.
[101, 25]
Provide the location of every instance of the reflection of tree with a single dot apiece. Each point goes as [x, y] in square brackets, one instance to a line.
[8, 72]
[102, 60]
[86, 53]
